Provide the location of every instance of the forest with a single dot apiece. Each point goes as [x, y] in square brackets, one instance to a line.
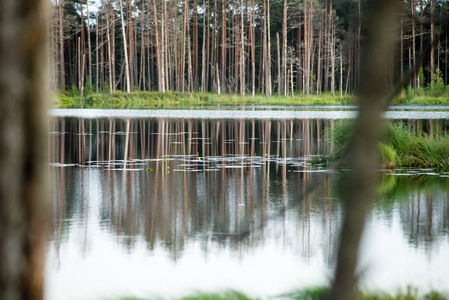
[237, 47]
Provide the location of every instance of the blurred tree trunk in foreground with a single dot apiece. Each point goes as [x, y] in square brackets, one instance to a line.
[378, 43]
[23, 140]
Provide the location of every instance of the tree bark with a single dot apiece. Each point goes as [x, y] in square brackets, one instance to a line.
[253, 50]
[381, 25]
[82, 52]
[108, 33]
[268, 79]
[279, 73]
[23, 140]
[96, 53]
[412, 3]
[128, 88]
[223, 44]
[160, 79]
[432, 36]
[61, 44]
[242, 51]
[88, 42]
[284, 50]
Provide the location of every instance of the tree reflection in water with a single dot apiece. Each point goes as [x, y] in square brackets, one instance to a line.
[213, 179]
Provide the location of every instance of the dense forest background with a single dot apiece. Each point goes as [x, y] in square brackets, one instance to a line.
[239, 46]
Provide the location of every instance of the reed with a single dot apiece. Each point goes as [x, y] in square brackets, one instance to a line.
[399, 147]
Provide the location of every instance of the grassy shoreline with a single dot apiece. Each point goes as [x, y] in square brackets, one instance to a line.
[152, 100]
[313, 293]
[155, 100]
[398, 146]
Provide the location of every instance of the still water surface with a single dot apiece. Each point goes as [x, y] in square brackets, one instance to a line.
[166, 205]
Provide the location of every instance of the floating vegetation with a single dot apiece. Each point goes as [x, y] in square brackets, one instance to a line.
[195, 163]
[59, 165]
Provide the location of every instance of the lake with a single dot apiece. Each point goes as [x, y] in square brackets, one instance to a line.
[165, 203]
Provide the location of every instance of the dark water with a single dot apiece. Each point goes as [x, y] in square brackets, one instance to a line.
[146, 206]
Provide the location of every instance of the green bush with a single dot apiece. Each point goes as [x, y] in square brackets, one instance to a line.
[437, 83]
[75, 92]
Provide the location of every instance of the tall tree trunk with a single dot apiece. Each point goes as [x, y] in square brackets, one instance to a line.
[432, 36]
[78, 55]
[284, 49]
[142, 49]
[82, 52]
[207, 49]
[130, 44]
[189, 49]
[223, 44]
[23, 140]
[298, 53]
[264, 49]
[253, 50]
[96, 52]
[164, 26]
[268, 78]
[402, 50]
[114, 83]
[359, 190]
[160, 79]
[89, 43]
[278, 60]
[332, 56]
[341, 72]
[128, 88]
[203, 55]
[195, 48]
[108, 33]
[242, 50]
[61, 44]
[306, 74]
[413, 46]
[318, 76]
[446, 74]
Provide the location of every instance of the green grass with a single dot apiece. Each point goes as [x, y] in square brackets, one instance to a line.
[425, 95]
[153, 100]
[314, 293]
[399, 147]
